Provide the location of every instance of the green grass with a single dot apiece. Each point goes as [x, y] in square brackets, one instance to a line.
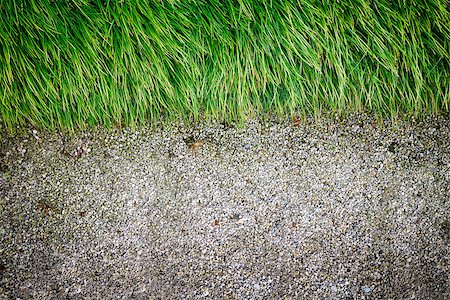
[70, 64]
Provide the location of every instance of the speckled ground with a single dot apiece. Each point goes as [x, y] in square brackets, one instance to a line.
[329, 210]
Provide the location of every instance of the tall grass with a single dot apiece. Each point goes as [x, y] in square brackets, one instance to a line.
[71, 63]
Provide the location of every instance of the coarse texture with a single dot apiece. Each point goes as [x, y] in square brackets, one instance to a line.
[329, 210]
[76, 63]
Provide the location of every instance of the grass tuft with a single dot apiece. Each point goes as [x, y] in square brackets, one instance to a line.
[76, 63]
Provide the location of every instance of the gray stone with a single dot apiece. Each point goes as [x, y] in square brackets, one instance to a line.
[307, 212]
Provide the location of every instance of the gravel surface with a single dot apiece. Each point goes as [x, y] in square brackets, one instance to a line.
[329, 210]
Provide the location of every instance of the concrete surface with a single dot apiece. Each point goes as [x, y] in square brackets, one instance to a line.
[329, 210]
